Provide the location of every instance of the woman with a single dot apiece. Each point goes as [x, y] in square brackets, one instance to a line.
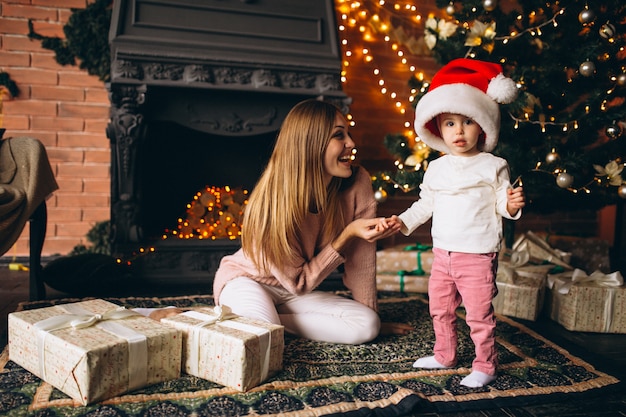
[310, 212]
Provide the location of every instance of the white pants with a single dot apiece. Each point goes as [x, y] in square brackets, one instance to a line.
[320, 316]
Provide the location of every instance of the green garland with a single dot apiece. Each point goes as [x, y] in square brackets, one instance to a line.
[6, 81]
[86, 39]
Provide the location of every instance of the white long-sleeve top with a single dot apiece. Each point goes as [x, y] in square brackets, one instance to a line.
[466, 198]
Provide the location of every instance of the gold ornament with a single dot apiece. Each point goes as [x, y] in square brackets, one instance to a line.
[552, 157]
[380, 195]
[614, 131]
[564, 180]
[490, 5]
[621, 191]
[587, 68]
[621, 79]
[607, 31]
[450, 9]
[586, 16]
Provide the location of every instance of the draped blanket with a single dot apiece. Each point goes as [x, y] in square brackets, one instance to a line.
[26, 180]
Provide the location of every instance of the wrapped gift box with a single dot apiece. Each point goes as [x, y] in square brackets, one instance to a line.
[588, 254]
[405, 258]
[402, 283]
[521, 290]
[227, 349]
[94, 350]
[588, 303]
[530, 249]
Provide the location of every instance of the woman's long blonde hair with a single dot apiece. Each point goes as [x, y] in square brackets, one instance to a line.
[291, 186]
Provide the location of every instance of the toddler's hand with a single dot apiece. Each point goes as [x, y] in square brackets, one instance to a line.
[515, 200]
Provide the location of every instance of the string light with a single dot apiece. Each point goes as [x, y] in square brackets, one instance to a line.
[371, 24]
[214, 213]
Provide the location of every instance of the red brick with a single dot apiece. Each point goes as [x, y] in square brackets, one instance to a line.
[58, 123]
[63, 155]
[97, 186]
[61, 4]
[96, 125]
[79, 78]
[70, 185]
[48, 139]
[20, 43]
[65, 214]
[98, 156]
[83, 171]
[27, 76]
[99, 95]
[46, 92]
[96, 214]
[45, 61]
[83, 140]
[14, 59]
[82, 200]
[48, 29]
[13, 26]
[29, 12]
[37, 107]
[89, 111]
[16, 122]
[72, 229]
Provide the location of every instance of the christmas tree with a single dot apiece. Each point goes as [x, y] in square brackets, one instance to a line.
[564, 135]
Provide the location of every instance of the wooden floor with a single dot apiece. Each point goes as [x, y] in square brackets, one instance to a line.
[607, 352]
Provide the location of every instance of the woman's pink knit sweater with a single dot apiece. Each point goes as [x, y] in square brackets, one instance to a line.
[317, 261]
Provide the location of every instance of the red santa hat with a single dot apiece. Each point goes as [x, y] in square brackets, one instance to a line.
[469, 87]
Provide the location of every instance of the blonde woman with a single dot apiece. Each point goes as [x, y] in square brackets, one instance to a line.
[310, 212]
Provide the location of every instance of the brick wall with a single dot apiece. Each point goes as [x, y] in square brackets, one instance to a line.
[67, 110]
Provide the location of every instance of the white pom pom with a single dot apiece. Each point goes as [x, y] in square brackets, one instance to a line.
[502, 89]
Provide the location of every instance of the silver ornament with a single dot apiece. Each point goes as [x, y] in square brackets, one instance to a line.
[587, 68]
[380, 195]
[607, 30]
[613, 131]
[564, 180]
[450, 9]
[621, 79]
[490, 5]
[586, 16]
[621, 191]
[552, 157]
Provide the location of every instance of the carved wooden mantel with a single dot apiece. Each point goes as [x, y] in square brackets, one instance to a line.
[229, 68]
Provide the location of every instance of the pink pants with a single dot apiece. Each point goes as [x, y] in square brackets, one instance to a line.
[469, 278]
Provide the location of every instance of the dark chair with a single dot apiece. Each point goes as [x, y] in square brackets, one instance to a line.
[26, 181]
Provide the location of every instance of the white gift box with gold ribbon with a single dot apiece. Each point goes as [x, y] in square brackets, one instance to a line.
[228, 349]
[521, 290]
[94, 350]
[588, 303]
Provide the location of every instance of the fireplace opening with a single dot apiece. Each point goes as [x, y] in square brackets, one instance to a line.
[177, 162]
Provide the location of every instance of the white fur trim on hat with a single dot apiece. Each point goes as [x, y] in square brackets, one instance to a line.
[468, 87]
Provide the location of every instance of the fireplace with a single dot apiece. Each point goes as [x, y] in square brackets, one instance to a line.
[198, 91]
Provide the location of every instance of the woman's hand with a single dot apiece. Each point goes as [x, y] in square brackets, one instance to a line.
[389, 328]
[370, 230]
[164, 312]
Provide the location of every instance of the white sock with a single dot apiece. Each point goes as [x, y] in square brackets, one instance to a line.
[428, 362]
[477, 379]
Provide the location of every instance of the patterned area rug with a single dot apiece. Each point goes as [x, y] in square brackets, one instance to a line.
[318, 379]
